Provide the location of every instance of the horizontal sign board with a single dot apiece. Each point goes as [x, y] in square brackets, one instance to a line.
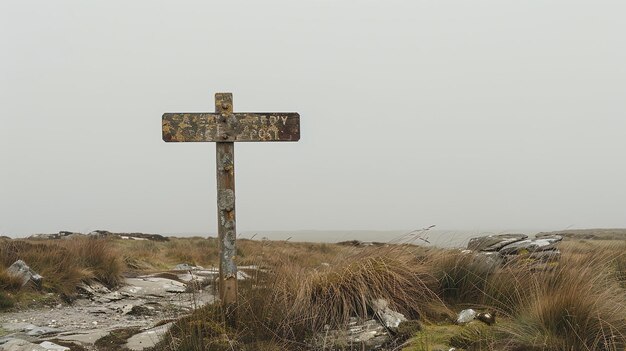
[234, 127]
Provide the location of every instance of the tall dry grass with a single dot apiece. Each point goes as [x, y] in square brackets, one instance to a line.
[577, 306]
[64, 264]
[145, 256]
[332, 294]
[462, 278]
[294, 297]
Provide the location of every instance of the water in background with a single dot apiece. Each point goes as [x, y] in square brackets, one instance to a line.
[440, 238]
[430, 237]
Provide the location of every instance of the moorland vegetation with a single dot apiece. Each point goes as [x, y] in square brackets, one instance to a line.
[301, 290]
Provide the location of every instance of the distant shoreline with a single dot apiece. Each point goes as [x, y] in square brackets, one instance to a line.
[432, 237]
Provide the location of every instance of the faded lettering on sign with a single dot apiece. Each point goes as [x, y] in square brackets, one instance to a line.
[198, 127]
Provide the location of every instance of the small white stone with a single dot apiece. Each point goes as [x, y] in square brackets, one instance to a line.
[466, 316]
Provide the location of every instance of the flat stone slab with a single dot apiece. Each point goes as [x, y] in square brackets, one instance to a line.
[39, 331]
[148, 338]
[152, 286]
[494, 242]
[88, 337]
[24, 345]
[21, 345]
[531, 245]
[30, 329]
[144, 302]
[53, 347]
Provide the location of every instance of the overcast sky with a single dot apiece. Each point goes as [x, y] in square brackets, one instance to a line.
[471, 115]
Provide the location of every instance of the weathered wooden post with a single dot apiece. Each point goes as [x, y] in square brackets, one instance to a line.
[225, 128]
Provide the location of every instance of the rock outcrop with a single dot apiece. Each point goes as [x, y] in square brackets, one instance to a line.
[12, 344]
[389, 318]
[65, 234]
[143, 303]
[505, 248]
[492, 243]
[131, 236]
[20, 269]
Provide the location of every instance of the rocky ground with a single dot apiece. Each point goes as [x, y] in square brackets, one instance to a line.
[145, 304]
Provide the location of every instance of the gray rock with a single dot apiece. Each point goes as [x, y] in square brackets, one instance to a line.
[63, 234]
[501, 249]
[184, 267]
[88, 337]
[21, 345]
[175, 289]
[135, 236]
[93, 288]
[152, 286]
[365, 335]
[370, 334]
[531, 245]
[13, 344]
[39, 331]
[53, 347]
[113, 296]
[126, 308]
[148, 338]
[20, 269]
[241, 275]
[359, 243]
[487, 259]
[492, 257]
[101, 233]
[466, 316]
[494, 242]
[187, 277]
[388, 317]
[142, 310]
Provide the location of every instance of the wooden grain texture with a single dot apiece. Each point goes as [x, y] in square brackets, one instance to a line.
[226, 225]
[225, 128]
[232, 127]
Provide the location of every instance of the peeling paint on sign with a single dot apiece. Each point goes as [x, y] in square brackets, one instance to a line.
[231, 127]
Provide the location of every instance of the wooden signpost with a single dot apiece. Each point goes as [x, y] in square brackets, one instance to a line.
[225, 128]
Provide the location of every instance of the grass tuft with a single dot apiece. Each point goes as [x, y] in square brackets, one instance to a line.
[572, 308]
[64, 264]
